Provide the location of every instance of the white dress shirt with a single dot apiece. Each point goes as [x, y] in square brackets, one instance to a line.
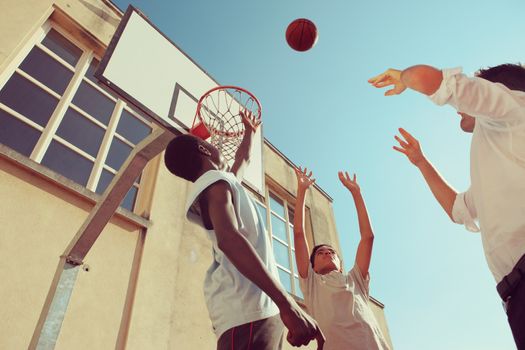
[496, 197]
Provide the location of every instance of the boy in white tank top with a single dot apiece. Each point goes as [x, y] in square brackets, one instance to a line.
[246, 303]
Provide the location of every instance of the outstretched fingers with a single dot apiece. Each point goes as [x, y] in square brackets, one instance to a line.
[401, 150]
[381, 78]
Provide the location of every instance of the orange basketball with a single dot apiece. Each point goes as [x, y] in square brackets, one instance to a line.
[301, 34]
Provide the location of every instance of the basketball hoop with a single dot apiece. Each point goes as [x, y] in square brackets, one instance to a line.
[219, 117]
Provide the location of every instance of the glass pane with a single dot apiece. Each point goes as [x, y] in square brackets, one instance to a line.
[81, 132]
[298, 291]
[94, 102]
[281, 254]
[278, 228]
[285, 280]
[276, 205]
[17, 134]
[262, 211]
[290, 215]
[132, 128]
[292, 238]
[295, 271]
[28, 99]
[62, 47]
[46, 70]
[128, 201]
[103, 182]
[90, 74]
[67, 163]
[118, 152]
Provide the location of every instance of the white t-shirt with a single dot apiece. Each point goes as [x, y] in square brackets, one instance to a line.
[496, 196]
[339, 304]
[231, 298]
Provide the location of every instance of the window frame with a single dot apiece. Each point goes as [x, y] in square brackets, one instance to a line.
[48, 133]
[288, 201]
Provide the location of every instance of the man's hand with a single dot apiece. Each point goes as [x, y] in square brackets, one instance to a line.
[350, 184]
[251, 123]
[390, 77]
[410, 147]
[304, 179]
[301, 327]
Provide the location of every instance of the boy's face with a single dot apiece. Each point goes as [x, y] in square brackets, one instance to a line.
[467, 122]
[326, 260]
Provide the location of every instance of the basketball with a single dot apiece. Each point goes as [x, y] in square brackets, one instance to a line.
[301, 34]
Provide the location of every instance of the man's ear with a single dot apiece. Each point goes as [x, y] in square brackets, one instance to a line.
[204, 150]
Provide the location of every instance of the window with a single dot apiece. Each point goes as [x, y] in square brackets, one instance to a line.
[279, 216]
[53, 111]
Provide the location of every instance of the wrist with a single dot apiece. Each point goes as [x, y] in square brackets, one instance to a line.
[283, 301]
[301, 191]
[422, 163]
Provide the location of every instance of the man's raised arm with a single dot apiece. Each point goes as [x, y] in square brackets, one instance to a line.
[442, 191]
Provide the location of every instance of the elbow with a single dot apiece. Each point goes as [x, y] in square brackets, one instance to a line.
[297, 231]
[424, 79]
[368, 238]
[226, 242]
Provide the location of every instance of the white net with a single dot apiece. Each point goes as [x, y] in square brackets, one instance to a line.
[220, 111]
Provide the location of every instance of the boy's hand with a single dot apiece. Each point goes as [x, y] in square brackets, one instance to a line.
[304, 180]
[251, 123]
[390, 77]
[301, 327]
[350, 184]
[409, 147]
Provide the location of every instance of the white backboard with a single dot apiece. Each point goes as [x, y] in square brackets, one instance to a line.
[148, 70]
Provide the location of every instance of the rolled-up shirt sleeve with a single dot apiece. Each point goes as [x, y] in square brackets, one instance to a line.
[464, 211]
[477, 97]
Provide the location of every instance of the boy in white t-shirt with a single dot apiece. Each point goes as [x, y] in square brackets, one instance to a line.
[339, 302]
[246, 303]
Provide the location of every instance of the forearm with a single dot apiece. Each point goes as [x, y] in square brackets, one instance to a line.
[245, 147]
[365, 228]
[422, 78]
[441, 190]
[242, 255]
[301, 245]
[242, 156]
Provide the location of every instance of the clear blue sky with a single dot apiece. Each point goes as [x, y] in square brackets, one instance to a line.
[319, 110]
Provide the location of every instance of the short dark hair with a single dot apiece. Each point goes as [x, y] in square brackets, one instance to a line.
[316, 248]
[510, 75]
[182, 156]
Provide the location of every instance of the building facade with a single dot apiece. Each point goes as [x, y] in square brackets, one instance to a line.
[62, 140]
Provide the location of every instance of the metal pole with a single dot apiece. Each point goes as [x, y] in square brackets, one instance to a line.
[55, 307]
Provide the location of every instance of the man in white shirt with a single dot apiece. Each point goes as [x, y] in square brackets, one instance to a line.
[492, 108]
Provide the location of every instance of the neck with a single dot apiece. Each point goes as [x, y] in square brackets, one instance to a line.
[324, 271]
[205, 167]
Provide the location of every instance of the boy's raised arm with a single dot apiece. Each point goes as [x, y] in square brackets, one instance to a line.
[304, 181]
[242, 156]
[364, 249]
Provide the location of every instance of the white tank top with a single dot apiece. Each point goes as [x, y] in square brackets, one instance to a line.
[231, 298]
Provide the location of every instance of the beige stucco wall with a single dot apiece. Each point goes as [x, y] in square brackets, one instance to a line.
[20, 18]
[39, 219]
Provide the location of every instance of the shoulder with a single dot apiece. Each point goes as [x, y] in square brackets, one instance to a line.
[211, 185]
